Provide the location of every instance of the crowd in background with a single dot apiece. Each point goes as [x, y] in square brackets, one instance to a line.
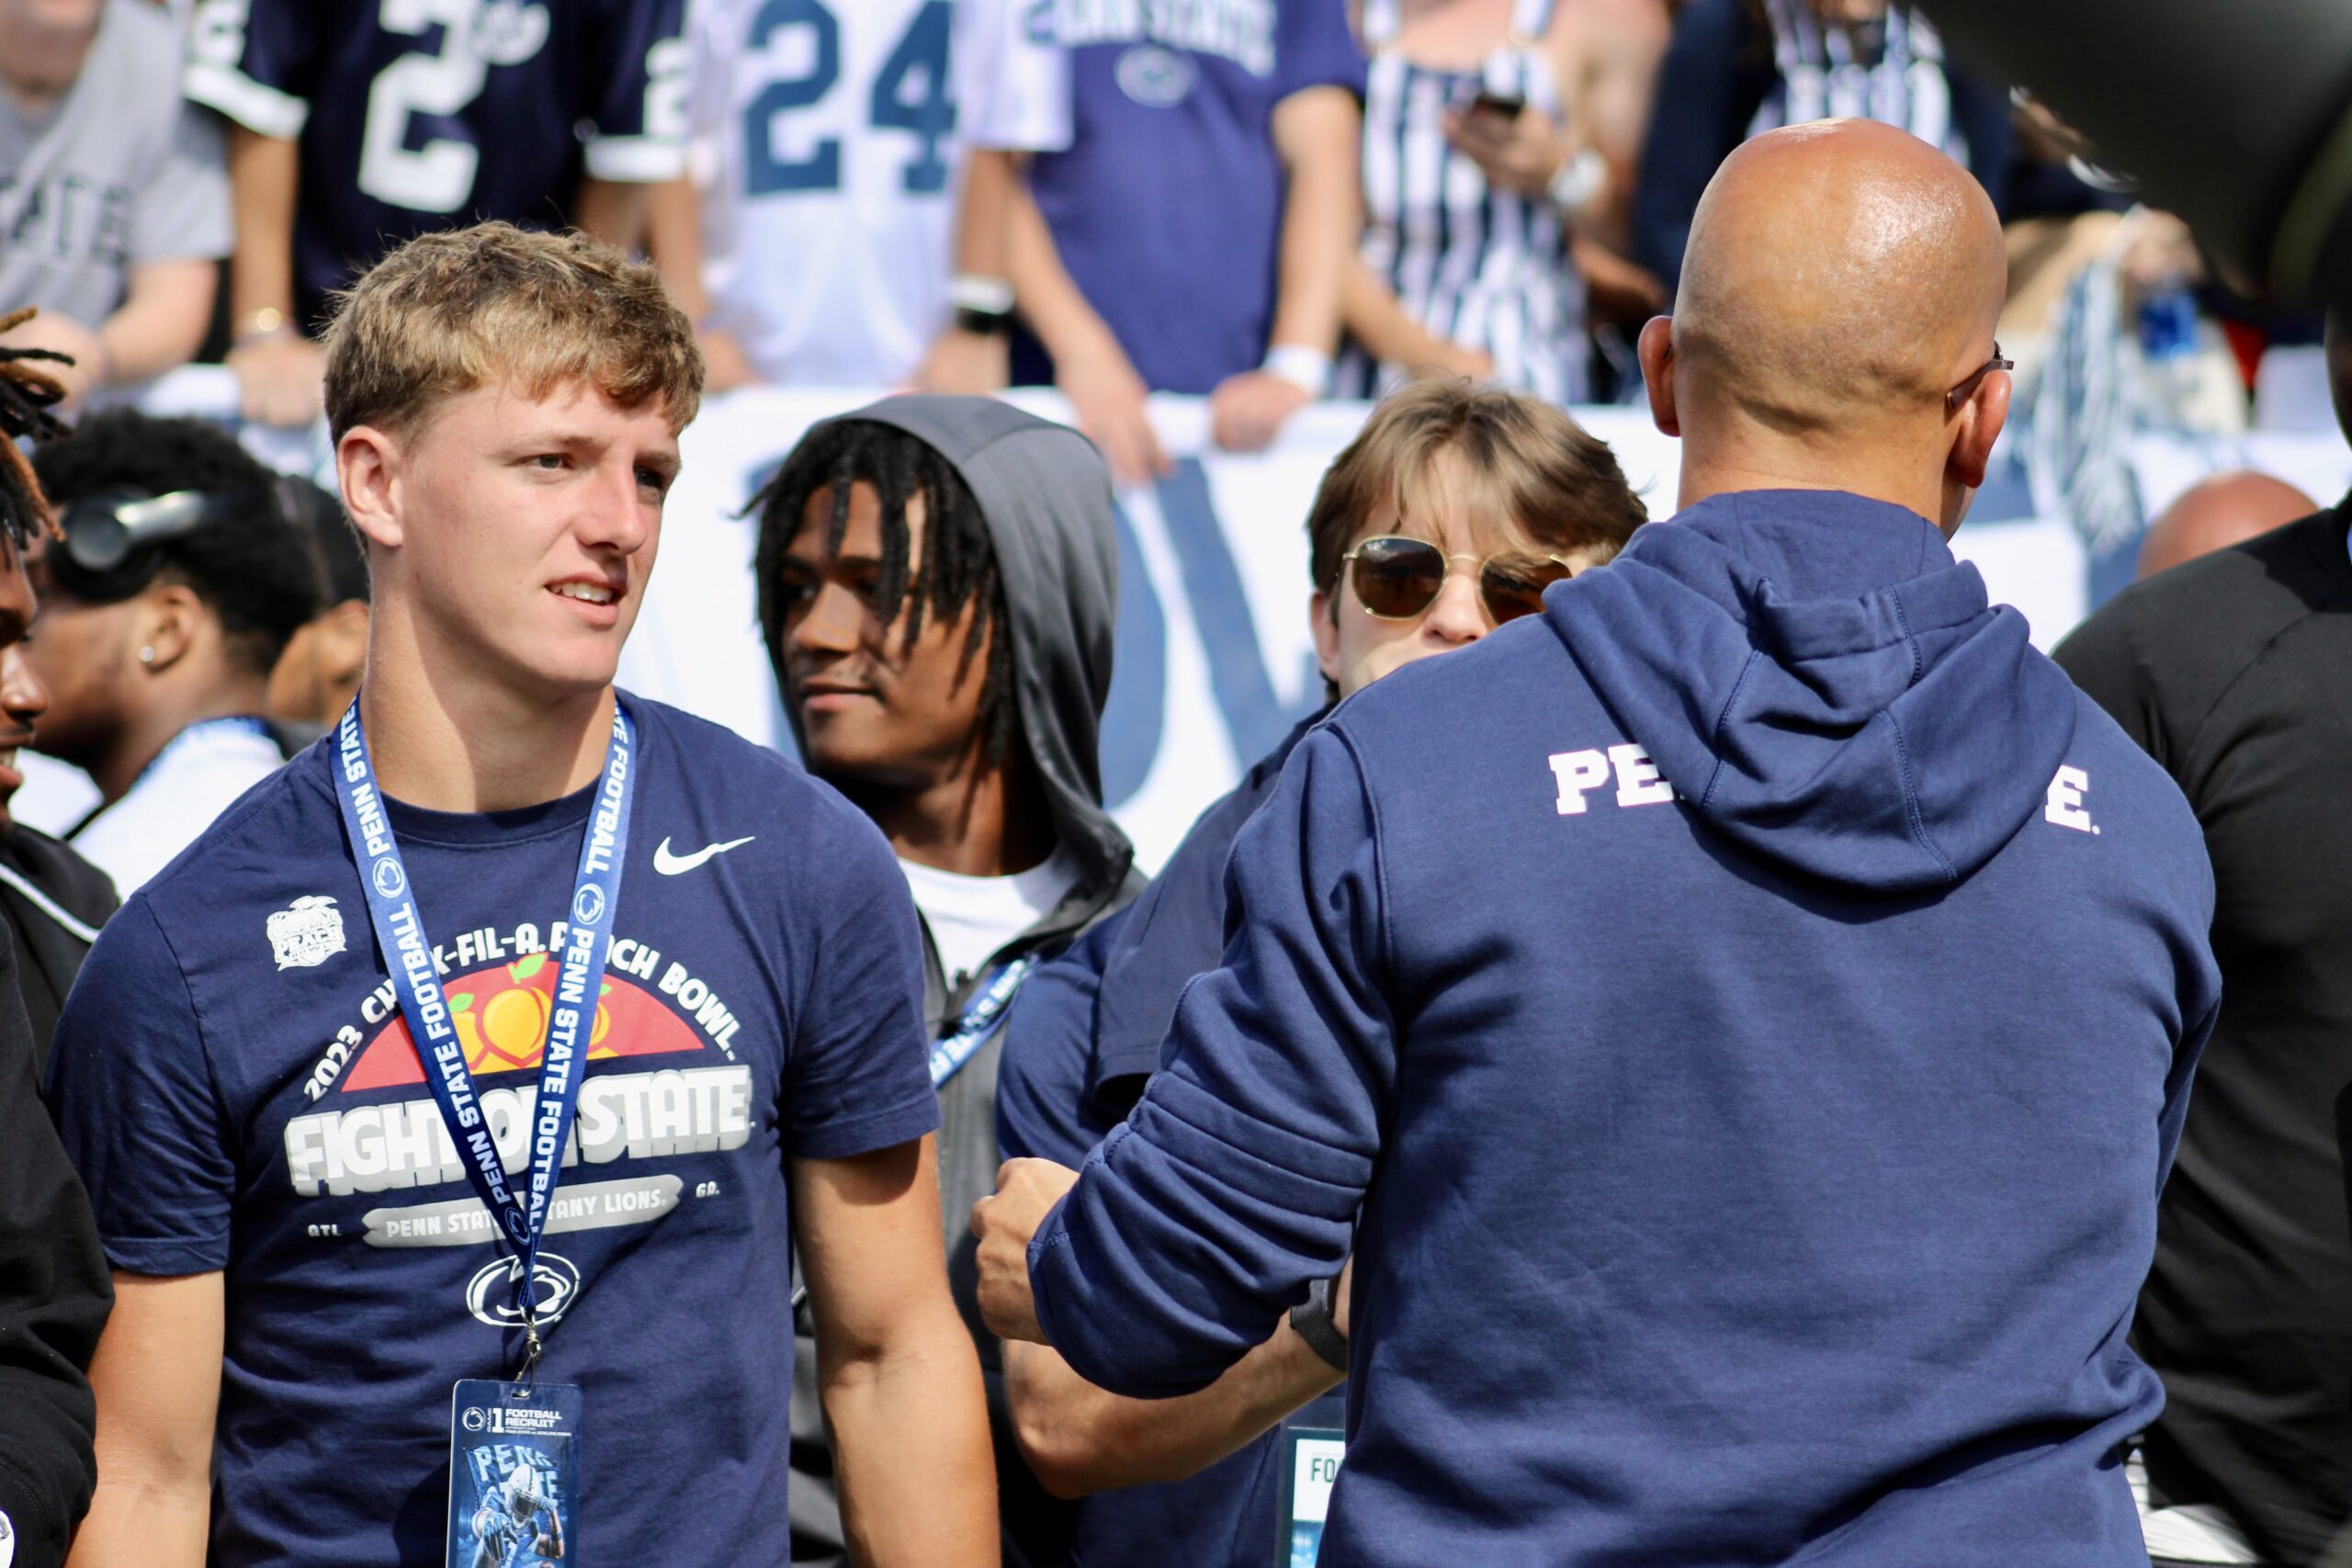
[1262, 203]
[1274, 203]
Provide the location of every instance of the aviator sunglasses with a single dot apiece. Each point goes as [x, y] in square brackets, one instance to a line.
[1397, 579]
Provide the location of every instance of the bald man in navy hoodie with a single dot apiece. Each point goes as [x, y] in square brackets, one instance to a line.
[1743, 1017]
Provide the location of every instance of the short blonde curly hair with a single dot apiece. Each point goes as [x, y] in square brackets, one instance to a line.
[448, 312]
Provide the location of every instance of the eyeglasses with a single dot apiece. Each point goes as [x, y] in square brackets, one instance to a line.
[1397, 579]
[1967, 388]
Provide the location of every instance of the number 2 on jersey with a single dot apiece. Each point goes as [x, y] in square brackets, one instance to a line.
[909, 93]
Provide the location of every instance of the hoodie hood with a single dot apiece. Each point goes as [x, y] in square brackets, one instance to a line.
[1824, 683]
[1045, 497]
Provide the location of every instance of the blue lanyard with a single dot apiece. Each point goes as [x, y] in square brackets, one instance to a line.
[981, 1019]
[408, 953]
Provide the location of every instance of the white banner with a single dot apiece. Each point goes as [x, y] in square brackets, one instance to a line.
[1214, 659]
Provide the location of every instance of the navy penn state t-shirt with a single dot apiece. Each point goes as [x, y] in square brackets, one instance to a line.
[235, 1084]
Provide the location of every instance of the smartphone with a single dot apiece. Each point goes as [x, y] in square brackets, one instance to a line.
[1505, 106]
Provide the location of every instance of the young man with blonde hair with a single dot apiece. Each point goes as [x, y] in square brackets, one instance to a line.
[350, 1180]
[1451, 512]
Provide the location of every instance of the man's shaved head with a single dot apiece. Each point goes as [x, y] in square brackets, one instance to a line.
[1834, 269]
[2217, 513]
[1833, 328]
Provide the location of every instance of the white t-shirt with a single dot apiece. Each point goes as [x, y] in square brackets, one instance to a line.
[193, 779]
[827, 144]
[971, 917]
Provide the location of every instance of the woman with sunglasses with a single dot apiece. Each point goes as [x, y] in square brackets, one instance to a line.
[1448, 515]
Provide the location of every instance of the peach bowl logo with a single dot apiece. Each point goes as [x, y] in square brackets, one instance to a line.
[501, 1017]
[305, 934]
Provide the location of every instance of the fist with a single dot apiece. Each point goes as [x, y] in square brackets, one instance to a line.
[1026, 1191]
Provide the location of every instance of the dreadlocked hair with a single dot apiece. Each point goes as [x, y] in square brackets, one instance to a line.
[958, 567]
[27, 394]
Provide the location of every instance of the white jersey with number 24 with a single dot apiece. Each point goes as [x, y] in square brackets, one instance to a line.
[827, 146]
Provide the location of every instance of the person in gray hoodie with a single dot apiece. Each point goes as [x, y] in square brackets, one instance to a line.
[938, 581]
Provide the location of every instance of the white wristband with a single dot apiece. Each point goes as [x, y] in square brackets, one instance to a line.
[1580, 179]
[1307, 368]
[974, 291]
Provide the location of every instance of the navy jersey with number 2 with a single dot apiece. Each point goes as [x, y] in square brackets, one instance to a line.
[418, 115]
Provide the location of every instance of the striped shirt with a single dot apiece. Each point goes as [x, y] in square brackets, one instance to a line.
[1485, 268]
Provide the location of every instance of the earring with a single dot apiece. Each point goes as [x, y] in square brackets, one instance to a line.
[146, 656]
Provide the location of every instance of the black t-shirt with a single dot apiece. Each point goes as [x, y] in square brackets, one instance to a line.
[2235, 672]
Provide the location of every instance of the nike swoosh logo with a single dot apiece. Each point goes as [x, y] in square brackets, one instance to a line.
[669, 865]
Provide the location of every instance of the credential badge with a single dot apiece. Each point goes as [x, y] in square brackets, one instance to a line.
[307, 934]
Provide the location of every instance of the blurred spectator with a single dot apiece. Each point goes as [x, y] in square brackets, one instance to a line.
[356, 126]
[1475, 474]
[1737, 67]
[2216, 512]
[2231, 672]
[318, 674]
[55, 1291]
[113, 205]
[1196, 236]
[1480, 147]
[843, 158]
[164, 608]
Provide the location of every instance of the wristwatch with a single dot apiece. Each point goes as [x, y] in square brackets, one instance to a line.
[1311, 1320]
[983, 305]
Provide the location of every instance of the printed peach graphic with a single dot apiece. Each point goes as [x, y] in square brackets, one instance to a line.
[500, 1013]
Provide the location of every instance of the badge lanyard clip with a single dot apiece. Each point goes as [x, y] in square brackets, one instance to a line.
[521, 1217]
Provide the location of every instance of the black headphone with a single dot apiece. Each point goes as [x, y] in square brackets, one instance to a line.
[114, 535]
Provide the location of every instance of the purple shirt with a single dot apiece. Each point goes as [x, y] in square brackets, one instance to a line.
[1167, 207]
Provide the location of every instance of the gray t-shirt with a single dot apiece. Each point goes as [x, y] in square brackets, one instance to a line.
[120, 171]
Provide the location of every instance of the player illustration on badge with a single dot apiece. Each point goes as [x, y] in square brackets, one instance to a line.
[513, 1475]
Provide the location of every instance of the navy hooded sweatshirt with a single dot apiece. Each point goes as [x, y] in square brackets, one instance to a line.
[1754, 1005]
[1082, 1037]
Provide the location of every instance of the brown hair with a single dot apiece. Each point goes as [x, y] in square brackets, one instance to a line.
[1532, 467]
[448, 312]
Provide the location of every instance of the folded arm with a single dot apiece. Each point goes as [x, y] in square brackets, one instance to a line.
[1236, 1179]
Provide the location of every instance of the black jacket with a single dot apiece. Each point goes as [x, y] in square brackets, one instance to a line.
[2234, 673]
[55, 1292]
[54, 902]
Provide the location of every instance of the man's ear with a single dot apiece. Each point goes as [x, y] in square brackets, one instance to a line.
[342, 641]
[370, 466]
[1655, 350]
[1980, 420]
[166, 626]
[1324, 626]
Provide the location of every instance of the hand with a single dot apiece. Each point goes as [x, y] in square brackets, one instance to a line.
[1026, 1191]
[973, 364]
[1520, 154]
[282, 380]
[1455, 359]
[1247, 410]
[63, 335]
[724, 366]
[1107, 397]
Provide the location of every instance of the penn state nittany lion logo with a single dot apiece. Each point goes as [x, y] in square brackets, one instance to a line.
[307, 934]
